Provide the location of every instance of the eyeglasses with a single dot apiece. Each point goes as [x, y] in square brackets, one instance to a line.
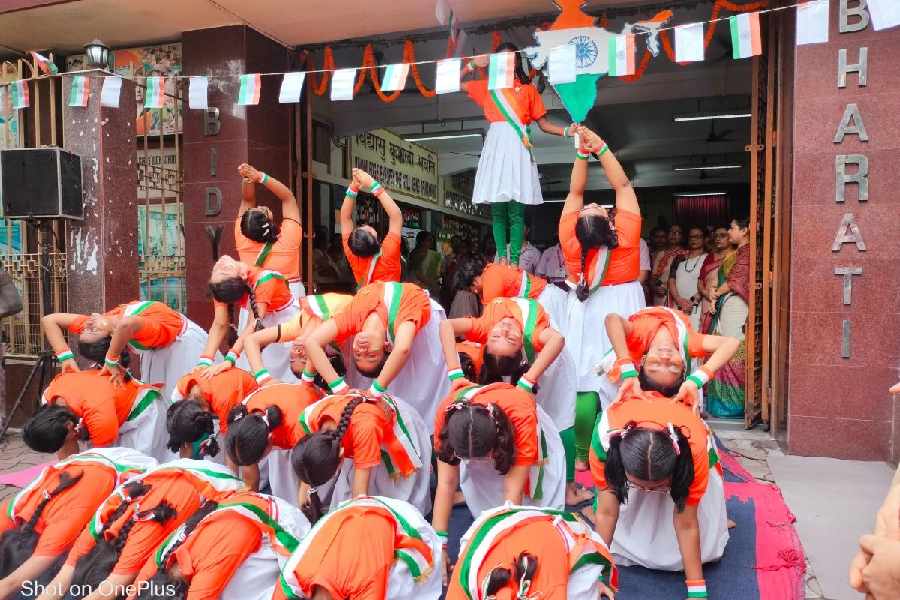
[663, 489]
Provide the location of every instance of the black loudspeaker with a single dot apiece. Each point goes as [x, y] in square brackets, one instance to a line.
[41, 182]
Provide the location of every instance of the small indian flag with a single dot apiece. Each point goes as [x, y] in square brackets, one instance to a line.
[745, 37]
[44, 64]
[621, 55]
[153, 94]
[80, 92]
[502, 71]
[395, 77]
[18, 94]
[250, 87]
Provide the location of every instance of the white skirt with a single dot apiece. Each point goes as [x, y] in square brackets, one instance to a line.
[585, 329]
[147, 432]
[413, 489]
[276, 471]
[275, 357]
[506, 169]
[645, 532]
[167, 365]
[556, 388]
[482, 485]
[422, 382]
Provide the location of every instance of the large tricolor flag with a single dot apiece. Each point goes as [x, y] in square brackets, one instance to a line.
[18, 94]
[621, 55]
[251, 85]
[80, 92]
[46, 67]
[502, 71]
[153, 94]
[395, 77]
[745, 37]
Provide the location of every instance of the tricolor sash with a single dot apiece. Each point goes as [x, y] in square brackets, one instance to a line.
[393, 292]
[683, 338]
[536, 472]
[412, 548]
[530, 310]
[585, 547]
[524, 285]
[600, 267]
[506, 103]
[134, 309]
[142, 401]
[371, 270]
[263, 254]
[318, 306]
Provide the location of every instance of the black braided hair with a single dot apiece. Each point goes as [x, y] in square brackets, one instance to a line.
[592, 231]
[163, 585]
[257, 226]
[251, 300]
[497, 579]
[476, 431]
[317, 457]
[188, 422]
[231, 290]
[651, 386]
[526, 568]
[248, 434]
[18, 544]
[495, 367]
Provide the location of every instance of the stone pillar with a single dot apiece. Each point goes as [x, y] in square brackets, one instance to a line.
[218, 140]
[102, 250]
[845, 275]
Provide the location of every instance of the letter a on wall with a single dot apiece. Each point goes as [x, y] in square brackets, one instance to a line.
[848, 233]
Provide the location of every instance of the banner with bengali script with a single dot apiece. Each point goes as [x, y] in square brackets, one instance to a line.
[399, 165]
[157, 173]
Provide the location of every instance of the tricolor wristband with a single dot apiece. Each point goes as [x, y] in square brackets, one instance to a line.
[696, 588]
[204, 361]
[603, 150]
[376, 188]
[443, 536]
[627, 371]
[582, 156]
[565, 131]
[525, 384]
[699, 378]
[65, 355]
[308, 376]
[376, 389]
[262, 375]
[231, 357]
[263, 178]
[111, 362]
[352, 192]
[338, 386]
[455, 374]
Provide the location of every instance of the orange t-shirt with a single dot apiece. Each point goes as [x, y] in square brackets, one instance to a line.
[388, 267]
[501, 308]
[292, 399]
[518, 406]
[524, 99]
[160, 325]
[338, 562]
[475, 351]
[269, 288]
[624, 259]
[66, 514]
[647, 322]
[656, 411]
[93, 398]
[370, 428]
[414, 306]
[539, 537]
[313, 310]
[179, 489]
[221, 392]
[506, 281]
[284, 257]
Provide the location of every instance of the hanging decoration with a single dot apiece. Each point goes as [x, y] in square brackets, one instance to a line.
[80, 92]
[110, 92]
[198, 92]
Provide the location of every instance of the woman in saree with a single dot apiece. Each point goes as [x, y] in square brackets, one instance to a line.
[662, 265]
[725, 393]
[709, 275]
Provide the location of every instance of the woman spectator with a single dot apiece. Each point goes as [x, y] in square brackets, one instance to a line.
[662, 265]
[709, 275]
[685, 274]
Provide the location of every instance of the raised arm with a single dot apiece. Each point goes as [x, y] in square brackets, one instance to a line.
[54, 327]
[722, 349]
[289, 207]
[548, 126]
[403, 341]
[577, 183]
[395, 215]
[315, 350]
[617, 330]
[254, 344]
[626, 199]
[248, 195]
[262, 309]
[347, 207]
[451, 328]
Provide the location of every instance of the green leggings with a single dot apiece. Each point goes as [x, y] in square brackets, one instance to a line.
[587, 407]
[508, 216]
[568, 441]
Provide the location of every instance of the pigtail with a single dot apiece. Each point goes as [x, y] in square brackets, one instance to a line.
[248, 433]
[615, 468]
[313, 510]
[526, 568]
[497, 579]
[65, 482]
[344, 422]
[131, 491]
[445, 451]
[189, 526]
[583, 291]
[159, 513]
[251, 300]
[504, 452]
[187, 422]
[683, 474]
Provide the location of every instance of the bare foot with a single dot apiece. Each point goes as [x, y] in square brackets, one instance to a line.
[731, 524]
[581, 465]
[576, 495]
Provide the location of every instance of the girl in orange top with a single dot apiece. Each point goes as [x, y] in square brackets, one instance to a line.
[521, 552]
[314, 310]
[370, 548]
[503, 423]
[379, 445]
[40, 523]
[216, 395]
[167, 341]
[393, 328]
[228, 550]
[270, 303]
[602, 253]
[654, 456]
[259, 241]
[370, 260]
[131, 523]
[266, 425]
[87, 407]
[653, 349]
[507, 176]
